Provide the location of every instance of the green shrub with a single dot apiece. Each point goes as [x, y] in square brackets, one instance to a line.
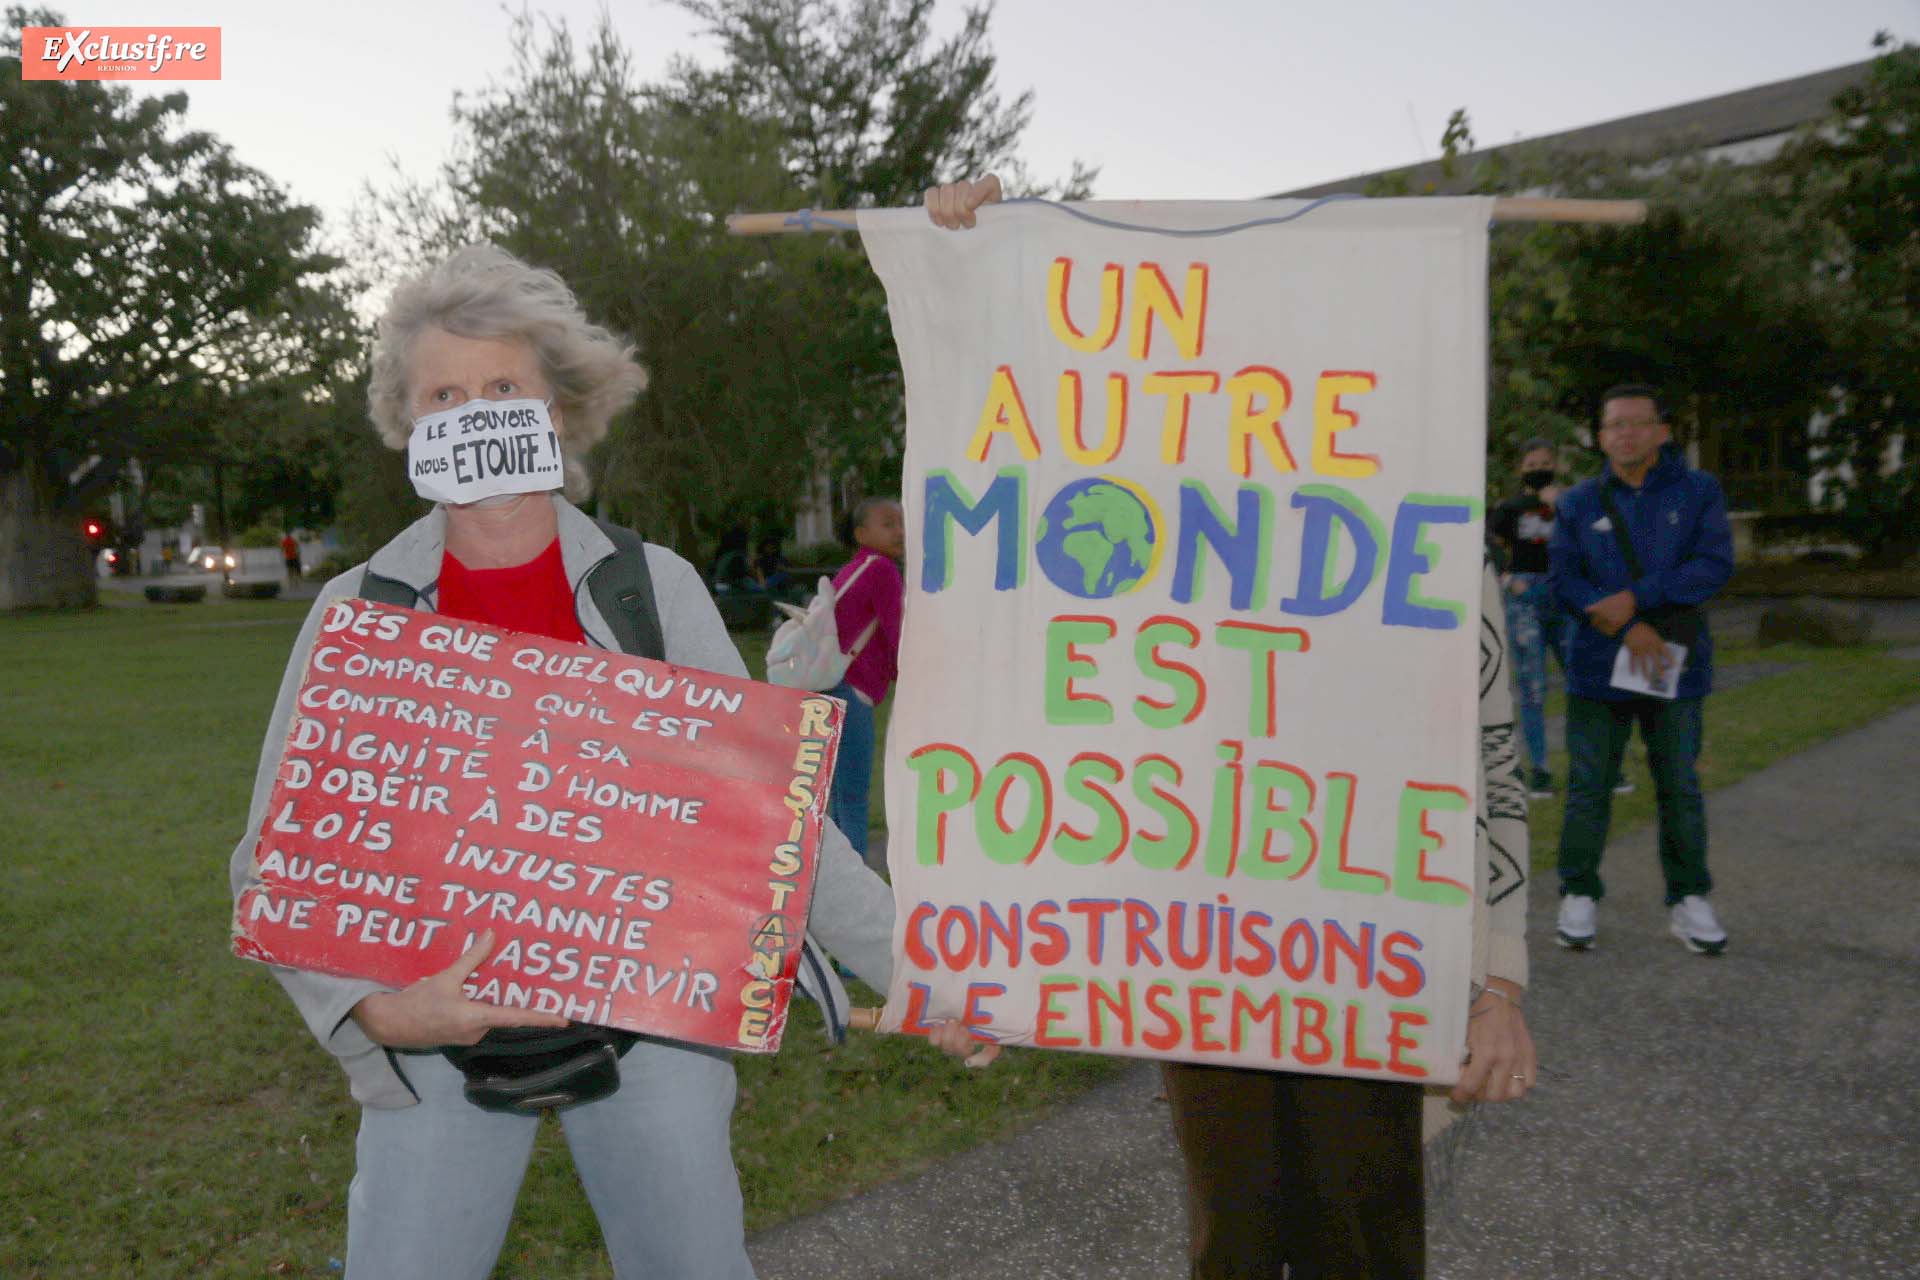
[816, 554]
[336, 563]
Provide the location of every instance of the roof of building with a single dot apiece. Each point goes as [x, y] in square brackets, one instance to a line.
[1759, 112]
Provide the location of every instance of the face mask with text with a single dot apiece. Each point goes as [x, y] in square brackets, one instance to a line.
[484, 449]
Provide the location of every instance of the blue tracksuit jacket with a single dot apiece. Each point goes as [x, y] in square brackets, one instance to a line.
[1678, 522]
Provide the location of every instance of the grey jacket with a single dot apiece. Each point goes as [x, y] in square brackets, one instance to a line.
[852, 907]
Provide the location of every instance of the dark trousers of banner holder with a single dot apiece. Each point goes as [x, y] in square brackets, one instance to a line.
[527, 1070]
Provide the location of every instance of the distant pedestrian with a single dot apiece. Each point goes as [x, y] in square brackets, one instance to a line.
[871, 595]
[1520, 528]
[770, 565]
[290, 556]
[731, 566]
[167, 554]
[1636, 554]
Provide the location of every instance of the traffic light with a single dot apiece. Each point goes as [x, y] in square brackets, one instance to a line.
[96, 531]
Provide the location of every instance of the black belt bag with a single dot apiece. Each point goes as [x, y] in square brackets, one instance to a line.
[527, 1070]
[1681, 624]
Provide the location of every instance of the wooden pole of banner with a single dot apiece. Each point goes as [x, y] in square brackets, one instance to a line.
[1543, 209]
[1505, 209]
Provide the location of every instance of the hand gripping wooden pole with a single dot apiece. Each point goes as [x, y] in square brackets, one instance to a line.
[867, 1018]
[1505, 209]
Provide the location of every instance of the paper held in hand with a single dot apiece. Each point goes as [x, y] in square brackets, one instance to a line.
[1627, 678]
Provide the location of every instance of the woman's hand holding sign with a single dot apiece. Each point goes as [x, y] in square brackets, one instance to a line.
[1500, 1065]
[955, 1039]
[435, 1010]
[951, 1037]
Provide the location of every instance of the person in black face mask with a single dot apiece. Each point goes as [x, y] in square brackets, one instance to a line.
[1519, 529]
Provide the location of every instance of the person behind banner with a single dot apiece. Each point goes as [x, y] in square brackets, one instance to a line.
[869, 592]
[1519, 528]
[770, 566]
[731, 566]
[1637, 552]
[436, 1176]
[1321, 1176]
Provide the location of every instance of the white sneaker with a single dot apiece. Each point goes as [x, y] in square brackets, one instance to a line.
[1693, 922]
[1578, 914]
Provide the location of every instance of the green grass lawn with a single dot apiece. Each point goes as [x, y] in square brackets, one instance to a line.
[164, 1113]
[1828, 692]
[1844, 581]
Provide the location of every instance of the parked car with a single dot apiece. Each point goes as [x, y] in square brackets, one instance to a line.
[212, 560]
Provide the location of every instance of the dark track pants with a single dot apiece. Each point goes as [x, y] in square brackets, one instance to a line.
[1320, 1172]
[1597, 734]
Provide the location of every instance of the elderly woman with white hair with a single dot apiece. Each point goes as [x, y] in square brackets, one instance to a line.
[437, 1175]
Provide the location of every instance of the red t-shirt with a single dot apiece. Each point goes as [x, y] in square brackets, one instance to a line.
[533, 597]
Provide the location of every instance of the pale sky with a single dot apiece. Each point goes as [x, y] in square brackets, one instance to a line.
[1199, 99]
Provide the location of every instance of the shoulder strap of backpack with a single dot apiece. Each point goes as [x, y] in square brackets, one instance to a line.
[381, 589]
[871, 627]
[865, 636]
[855, 575]
[622, 589]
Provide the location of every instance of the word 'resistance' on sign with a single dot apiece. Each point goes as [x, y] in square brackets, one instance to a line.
[642, 838]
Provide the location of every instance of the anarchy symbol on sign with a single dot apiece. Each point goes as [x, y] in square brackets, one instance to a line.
[772, 934]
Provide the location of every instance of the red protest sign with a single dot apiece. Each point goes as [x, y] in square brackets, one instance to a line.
[641, 837]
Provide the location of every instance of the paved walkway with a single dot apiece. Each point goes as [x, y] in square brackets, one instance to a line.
[1749, 1116]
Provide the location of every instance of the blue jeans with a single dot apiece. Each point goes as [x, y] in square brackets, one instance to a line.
[434, 1184]
[1533, 628]
[853, 776]
[1597, 734]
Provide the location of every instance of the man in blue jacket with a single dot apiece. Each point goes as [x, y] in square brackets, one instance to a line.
[1636, 553]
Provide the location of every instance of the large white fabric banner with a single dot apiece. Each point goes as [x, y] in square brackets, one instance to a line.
[1182, 758]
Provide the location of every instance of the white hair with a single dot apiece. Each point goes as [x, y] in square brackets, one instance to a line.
[482, 291]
